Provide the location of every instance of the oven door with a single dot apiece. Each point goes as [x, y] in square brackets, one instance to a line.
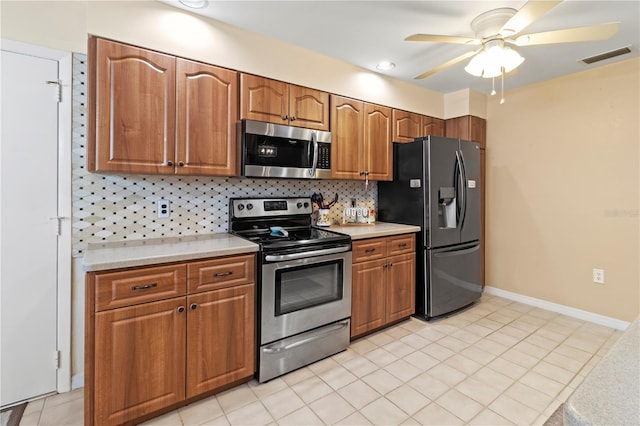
[301, 294]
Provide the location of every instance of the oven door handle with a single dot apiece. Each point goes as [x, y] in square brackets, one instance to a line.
[293, 256]
[279, 347]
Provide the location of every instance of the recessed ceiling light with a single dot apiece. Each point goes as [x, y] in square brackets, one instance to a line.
[195, 4]
[385, 65]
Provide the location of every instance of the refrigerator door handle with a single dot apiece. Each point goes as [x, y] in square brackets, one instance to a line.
[463, 187]
[455, 251]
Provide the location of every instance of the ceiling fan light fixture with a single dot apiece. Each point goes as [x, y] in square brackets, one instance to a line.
[493, 61]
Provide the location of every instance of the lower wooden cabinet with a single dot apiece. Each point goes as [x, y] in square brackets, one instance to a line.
[139, 360]
[159, 353]
[383, 283]
[220, 338]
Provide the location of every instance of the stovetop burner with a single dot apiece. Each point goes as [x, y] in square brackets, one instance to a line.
[253, 218]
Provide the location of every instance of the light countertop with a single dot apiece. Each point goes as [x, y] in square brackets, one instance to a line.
[611, 391]
[378, 229]
[125, 254]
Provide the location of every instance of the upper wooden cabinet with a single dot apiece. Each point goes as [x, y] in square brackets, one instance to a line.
[207, 116]
[467, 127]
[361, 140]
[432, 126]
[131, 109]
[408, 125]
[136, 96]
[277, 102]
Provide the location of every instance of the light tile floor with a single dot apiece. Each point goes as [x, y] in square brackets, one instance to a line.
[497, 363]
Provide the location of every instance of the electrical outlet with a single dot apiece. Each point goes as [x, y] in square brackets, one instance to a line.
[164, 208]
[598, 276]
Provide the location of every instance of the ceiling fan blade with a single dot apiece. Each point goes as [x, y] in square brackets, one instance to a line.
[446, 65]
[570, 35]
[529, 13]
[442, 39]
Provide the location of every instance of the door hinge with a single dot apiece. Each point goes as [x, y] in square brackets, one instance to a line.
[58, 84]
[57, 223]
[56, 359]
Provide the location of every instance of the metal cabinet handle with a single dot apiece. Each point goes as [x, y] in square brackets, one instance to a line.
[222, 274]
[169, 163]
[369, 250]
[181, 163]
[293, 118]
[285, 117]
[181, 309]
[193, 306]
[390, 265]
[402, 245]
[144, 287]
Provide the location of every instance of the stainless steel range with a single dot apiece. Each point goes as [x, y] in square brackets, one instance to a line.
[304, 277]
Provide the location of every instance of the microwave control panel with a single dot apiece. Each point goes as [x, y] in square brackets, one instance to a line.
[324, 156]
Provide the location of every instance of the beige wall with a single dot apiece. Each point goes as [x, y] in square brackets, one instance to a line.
[64, 25]
[563, 190]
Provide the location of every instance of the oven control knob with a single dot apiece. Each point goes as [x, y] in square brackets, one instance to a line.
[299, 205]
[306, 205]
[249, 206]
[240, 206]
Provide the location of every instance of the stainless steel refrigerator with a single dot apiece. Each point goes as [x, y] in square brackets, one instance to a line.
[436, 186]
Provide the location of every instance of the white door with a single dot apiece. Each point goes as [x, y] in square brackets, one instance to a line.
[29, 201]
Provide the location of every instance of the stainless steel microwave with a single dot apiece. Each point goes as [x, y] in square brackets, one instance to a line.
[277, 151]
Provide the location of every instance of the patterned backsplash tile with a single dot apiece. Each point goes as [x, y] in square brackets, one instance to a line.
[119, 207]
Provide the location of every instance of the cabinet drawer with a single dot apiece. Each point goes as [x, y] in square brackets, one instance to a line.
[133, 286]
[401, 244]
[221, 272]
[370, 249]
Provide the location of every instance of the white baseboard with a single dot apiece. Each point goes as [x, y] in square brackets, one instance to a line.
[561, 309]
[77, 381]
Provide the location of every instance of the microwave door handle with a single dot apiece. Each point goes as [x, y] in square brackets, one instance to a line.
[314, 141]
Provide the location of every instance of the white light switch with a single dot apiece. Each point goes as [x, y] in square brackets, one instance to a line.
[471, 183]
[415, 183]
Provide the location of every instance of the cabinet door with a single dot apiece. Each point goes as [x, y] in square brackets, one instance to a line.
[308, 108]
[377, 142]
[347, 141]
[367, 296]
[221, 338]
[406, 126]
[467, 127]
[139, 360]
[206, 119]
[131, 109]
[432, 126]
[264, 99]
[400, 289]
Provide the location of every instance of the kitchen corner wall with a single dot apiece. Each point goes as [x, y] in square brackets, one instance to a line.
[123, 207]
[563, 190]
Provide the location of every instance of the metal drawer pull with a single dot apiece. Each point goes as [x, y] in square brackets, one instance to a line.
[402, 245]
[370, 250]
[144, 287]
[222, 274]
[181, 309]
[193, 306]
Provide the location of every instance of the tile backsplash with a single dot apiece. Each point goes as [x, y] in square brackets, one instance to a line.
[123, 207]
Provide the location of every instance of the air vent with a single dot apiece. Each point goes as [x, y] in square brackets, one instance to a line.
[606, 55]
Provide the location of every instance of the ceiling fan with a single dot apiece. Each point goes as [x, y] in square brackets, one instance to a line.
[496, 29]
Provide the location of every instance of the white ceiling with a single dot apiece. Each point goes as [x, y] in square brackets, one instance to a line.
[364, 33]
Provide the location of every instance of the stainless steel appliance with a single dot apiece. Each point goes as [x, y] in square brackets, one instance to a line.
[437, 186]
[304, 283]
[274, 150]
